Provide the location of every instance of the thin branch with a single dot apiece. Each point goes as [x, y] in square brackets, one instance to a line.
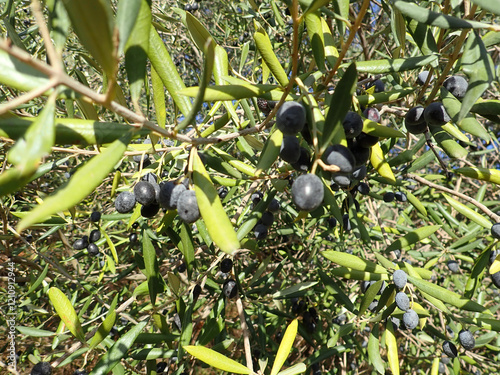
[35, 93]
[54, 57]
[246, 334]
[466, 198]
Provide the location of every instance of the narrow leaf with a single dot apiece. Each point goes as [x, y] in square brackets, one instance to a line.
[294, 290]
[491, 6]
[229, 92]
[285, 346]
[71, 130]
[270, 152]
[34, 332]
[81, 184]
[443, 21]
[377, 130]
[394, 65]
[217, 360]
[412, 237]
[484, 174]
[218, 224]
[446, 295]
[151, 264]
[165, 67]
[66, 312]
[37, 142]
[479, 67]
[92, 21]
[118, 351]
[266, 50]
[392, 348]
[377, 158]
[374, 350]
[126, 16]
[339, 105]
[352, 261]
[468, 212]
[104, 329]
[369, 296]
[299, 368]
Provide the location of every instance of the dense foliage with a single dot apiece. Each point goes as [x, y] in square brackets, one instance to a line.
[250, 187]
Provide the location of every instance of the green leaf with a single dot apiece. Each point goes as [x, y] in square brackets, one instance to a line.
[126, 17]
[422, 35]
[165, 67]
[331, 52]
[34, 332]
[218, 224]
[158, 98]
[491, 6]
[377, 130]
[484, 174]
[394, 65]
[446, 295]
[285, 347]
[352, 261]
[377, 159]
[152, 269]
[92, 21]
[81, 184]
[468, 124]
[351, 274]
[415, 202]
[71, 130]
[266, 50]
[136, 51]
[468, 212]
[374, 350]
[443, 21]
[39, 279]
[270, 152]
[449, 145]
[384, 97]
[208, 64]
[118, 351]
[369, 296]
[187, 246]
[216, 360]
[229, 92]
[479, 67]
[392, 348]
[315, 32]
[413, 237]
[66, 312]
[295, 290]
[104, 329]
[298, 368]
[339, 105]
[37, 142]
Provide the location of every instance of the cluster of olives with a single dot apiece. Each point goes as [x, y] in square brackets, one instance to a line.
[168, 195]
[89, 242]
[261, 229]
[310, 317]
[418, 118]
[410, 317]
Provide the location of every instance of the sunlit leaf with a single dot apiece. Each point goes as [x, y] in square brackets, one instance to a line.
[285, 347]
[66, 312]
[218, 224]
[217, 360]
